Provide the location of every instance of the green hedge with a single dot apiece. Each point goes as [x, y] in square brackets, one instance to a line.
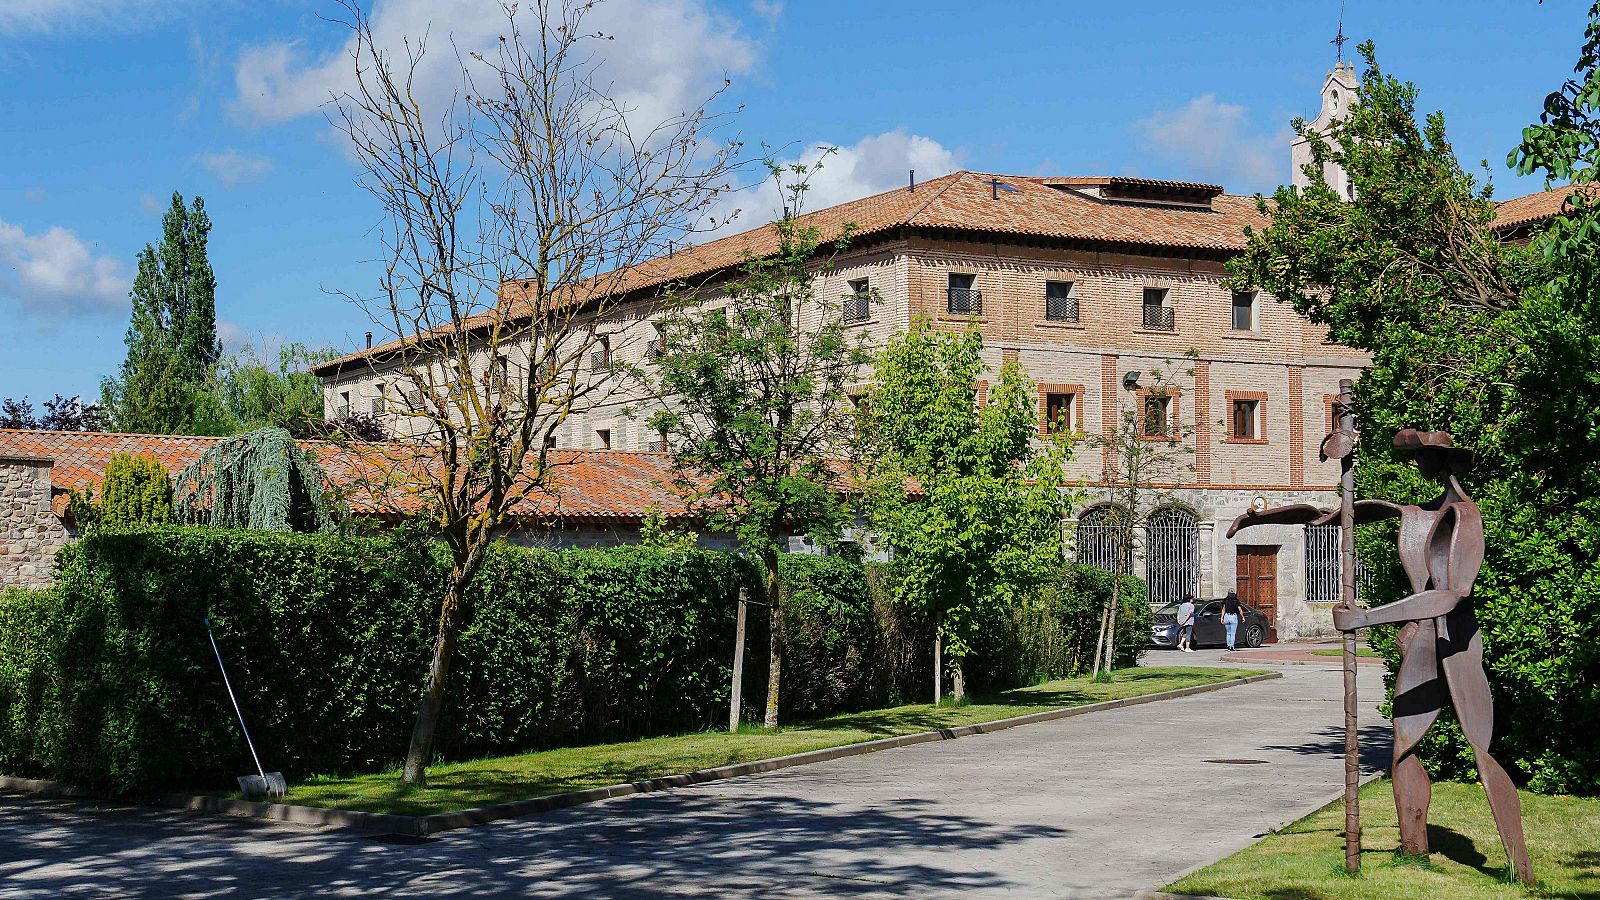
[108, 680]
[326, 640]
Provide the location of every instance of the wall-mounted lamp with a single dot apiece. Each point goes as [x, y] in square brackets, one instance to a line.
[1130, 380]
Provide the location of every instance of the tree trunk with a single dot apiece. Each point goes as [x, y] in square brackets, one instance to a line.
[938, 668]
[775, 642]
[958, 681]
[1100, 643]
[736, 692]
[444, 650]
[1111, 630]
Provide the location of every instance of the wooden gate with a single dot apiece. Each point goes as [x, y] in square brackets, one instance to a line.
[1257, 583]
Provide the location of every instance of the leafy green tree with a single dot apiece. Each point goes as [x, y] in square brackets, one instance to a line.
[1498, 344]
[983, 529]
[284, 394]
[164, 386]
[758, 412]
[137, 491]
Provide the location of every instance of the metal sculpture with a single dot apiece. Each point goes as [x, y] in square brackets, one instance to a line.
[1441, 547]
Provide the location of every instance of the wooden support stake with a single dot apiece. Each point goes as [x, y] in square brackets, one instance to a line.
[737, 692]
[1347, 598]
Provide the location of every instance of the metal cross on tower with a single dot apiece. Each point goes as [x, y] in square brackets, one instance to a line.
[1339, 39]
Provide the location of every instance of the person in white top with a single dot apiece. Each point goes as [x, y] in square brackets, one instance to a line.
[1186, 624]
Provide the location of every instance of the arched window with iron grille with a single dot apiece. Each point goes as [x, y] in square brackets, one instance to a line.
[1322, 566]
[1171, 554]
[1098, 539]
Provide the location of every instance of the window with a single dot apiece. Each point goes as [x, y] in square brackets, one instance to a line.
[1058, 412]
[1242, 424]
[1247, 417]
[858, 303]
[1157, 314]
[1171, 555]
[342, 410]
[601, 358]
[1244, 311]
[549, 442]
[502, 370]
[961, 297]
[653, 348]
[1157, 421]
[659, 445]
[604, 437]
[1060, 304]
[379, 404]
[1101, 539]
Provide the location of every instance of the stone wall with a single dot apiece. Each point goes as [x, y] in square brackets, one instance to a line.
[30, 532]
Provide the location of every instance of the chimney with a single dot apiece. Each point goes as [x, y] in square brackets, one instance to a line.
[913, 188]
[369, 340]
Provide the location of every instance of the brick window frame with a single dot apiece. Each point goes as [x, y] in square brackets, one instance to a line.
[1174, 413]
[1260, 399]
[980, 392]
[1075, 391]
[1327, 414]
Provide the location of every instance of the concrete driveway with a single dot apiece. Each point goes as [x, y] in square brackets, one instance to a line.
[1097, 806]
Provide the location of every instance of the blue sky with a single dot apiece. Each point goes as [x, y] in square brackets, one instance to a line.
[111, 105]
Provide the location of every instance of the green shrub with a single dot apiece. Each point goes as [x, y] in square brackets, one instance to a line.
[137, 492]
[108, 679]
[326, 640]
[1054, 634]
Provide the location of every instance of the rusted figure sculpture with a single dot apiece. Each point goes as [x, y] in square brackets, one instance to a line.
[1441, 547]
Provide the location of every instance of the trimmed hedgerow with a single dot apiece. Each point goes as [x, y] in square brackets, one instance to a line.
[108, 678]
[326, 638]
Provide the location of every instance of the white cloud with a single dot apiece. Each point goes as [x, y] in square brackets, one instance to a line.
[1211, 141]
[870, 166]
[234, 168]
[669, 55]
[151, 204]
[54, 274]
[47, 16]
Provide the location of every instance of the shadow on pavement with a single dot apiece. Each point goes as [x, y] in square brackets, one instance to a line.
[1376, 745]
[650, 845]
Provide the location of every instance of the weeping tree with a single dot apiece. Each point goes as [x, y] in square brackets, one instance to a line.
[260, 480]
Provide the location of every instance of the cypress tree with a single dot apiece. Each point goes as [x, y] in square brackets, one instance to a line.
[165, 385]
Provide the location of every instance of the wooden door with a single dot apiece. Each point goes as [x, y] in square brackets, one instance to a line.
[1257, 583]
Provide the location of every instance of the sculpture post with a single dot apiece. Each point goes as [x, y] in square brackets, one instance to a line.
[1347, 599]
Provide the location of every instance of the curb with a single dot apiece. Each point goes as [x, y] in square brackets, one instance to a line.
[421, 826]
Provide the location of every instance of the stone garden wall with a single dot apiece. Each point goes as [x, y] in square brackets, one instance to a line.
[30, 532]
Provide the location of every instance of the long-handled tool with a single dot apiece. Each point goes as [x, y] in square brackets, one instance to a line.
[262, 784]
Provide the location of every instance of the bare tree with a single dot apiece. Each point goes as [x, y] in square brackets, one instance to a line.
[514, 214]
[1149, 450]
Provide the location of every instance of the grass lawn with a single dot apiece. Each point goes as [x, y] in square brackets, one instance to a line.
[1306, 860]
[1360, 651]
[463, 785]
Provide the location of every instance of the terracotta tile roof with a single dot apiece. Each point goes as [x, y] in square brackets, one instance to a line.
[585, 484]
[968, 201]
[1531, 208]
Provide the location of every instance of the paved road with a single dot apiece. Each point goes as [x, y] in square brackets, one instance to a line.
[1096, 806]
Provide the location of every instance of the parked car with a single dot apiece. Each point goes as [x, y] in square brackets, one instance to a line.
[1208, 627]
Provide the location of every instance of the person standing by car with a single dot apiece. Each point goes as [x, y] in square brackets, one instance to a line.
[1230, 615]
[1186, 624]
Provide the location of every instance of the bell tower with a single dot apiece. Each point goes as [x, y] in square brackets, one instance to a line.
[1338, 90]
